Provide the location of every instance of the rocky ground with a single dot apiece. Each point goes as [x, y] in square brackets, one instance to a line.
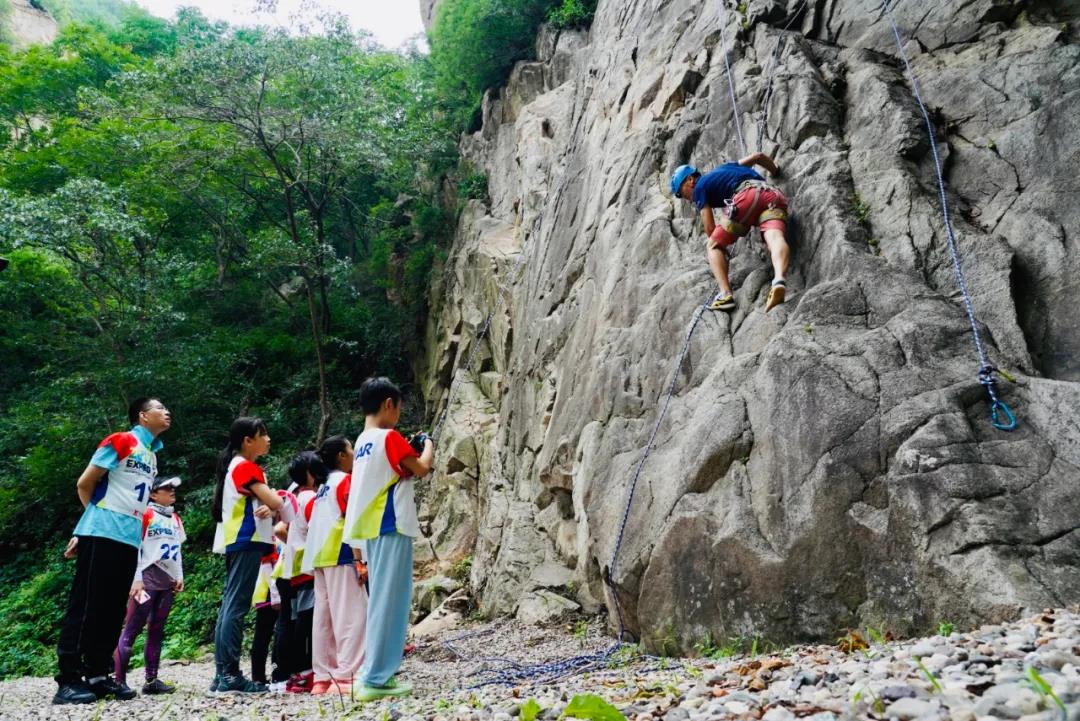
[1027, 670]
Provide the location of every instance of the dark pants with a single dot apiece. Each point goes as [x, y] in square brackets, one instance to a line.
[292, 637]
[241, 573]
[95, 613]
[151, 614]
[265, 621]
[283, 634]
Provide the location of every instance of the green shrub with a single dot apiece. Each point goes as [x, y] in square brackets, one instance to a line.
[475, 43]
[572, 14]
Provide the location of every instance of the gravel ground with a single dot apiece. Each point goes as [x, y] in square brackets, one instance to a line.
[981, 675]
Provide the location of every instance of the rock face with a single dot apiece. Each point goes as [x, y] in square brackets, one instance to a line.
[30, 25]
[825, 465]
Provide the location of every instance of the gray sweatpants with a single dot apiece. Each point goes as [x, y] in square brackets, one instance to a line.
[241, 573]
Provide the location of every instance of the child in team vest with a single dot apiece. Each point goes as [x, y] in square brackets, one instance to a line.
[266, 602]
[243, 507]
[297, 589]
[158, 577]
[340, 575]
[114, 490]
[380, 518]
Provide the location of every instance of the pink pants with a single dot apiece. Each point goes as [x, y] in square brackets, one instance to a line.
[340, 624]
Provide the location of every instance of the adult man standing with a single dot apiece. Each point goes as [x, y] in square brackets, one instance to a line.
[114, 489]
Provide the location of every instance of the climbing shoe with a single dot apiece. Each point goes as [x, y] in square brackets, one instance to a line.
[392, 689]
[107, 687]
[776, 295]
[157, 686]
[69, 693]
[722, 301]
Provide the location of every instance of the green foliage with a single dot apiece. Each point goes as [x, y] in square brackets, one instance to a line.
[473, 184]
[461, 570]
[529, 710]
[945, 628]
[1041, 687]
[929, 675]
[475, 43]
[861, 210]
[592, 708]
[572, 14]
[159, 248]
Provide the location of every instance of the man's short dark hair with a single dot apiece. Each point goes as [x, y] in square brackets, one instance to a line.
[137, 406]
[375, 391]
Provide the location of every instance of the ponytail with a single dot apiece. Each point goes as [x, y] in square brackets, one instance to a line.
[243, 427]
[330, 449]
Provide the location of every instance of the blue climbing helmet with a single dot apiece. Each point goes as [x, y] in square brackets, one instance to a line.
[681, 174]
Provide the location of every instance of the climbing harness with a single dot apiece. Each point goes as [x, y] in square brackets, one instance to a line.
[1001, 417]
[727, 219]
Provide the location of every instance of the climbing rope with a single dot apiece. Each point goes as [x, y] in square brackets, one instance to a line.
[507, 671]
[730, 77]
[610, 573]
[770, 73]
[1001, 416]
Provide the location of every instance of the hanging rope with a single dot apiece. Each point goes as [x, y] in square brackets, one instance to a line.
[508, 671]
[770, 73]
[1001, 417]
[730, 78]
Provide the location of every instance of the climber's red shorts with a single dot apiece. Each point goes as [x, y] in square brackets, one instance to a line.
[747, 212]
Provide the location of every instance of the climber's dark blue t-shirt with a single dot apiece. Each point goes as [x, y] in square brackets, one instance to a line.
[718, 185]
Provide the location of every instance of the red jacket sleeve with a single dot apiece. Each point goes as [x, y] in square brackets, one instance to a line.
[397, 450]
[246, 474]
[122, 443]
[343, 492]
[308, 508]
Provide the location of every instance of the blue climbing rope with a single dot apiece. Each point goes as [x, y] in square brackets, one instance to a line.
[1001, 417]
[506, 671]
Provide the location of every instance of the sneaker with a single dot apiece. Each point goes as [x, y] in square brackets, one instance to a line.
[776, 295]
[157, 686]
[239, 684]
[300, 683]
[109, 688]
[392, 689]
[722, 301]
[77, 692]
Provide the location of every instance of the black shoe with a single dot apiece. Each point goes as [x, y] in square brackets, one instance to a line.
[239, 684]
[77, 692]
[109, 688]
[157, 686]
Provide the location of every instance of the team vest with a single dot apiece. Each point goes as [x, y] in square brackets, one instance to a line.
[238, 522]
[162, 536]
[292, 555]
[266, 593]
[126, 488]
[324, 546]
[381, 499]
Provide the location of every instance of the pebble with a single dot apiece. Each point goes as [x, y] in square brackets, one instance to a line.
[982, 675]
[908, 708]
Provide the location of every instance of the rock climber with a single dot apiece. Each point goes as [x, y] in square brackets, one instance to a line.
[746, 199]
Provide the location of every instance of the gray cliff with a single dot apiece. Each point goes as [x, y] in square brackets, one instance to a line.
[828, 464]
